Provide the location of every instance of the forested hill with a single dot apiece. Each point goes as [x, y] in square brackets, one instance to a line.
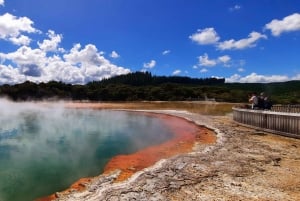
[143, 86]
[146, 78]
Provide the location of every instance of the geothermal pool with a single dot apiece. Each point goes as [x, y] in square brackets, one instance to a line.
[44, 149]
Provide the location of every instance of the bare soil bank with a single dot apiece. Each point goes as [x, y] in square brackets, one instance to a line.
[244, 164]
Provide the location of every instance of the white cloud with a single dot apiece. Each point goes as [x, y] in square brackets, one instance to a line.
[205, 36]
[12, 26]
[209, 36]
[87, 56]
[10, 75]
[205, 61]
[25, 56]
[255, 78]
[233, 78]
[203, 70]
[166, 52]
[60, 70]
[114, 55]
[150, 64]
[93, 65]
[242, 43]
[241, 69]
[235, 8]
[296, 77]
[20, 40]
[224, 59]
[1, 2]
[176, 72]
[78, 66]
[287, 24]
[51, 44]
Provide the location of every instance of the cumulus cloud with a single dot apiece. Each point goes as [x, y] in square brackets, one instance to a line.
[176, 72]
[114, 55]
[203, 70]
[32, 70]
[51, 44]
[209, 36]
[10, 75]
[93, 65]
[205, 36]
[25, 56]
[150, 64]
[255, 78]
[224, 59]
[205, 61]
[242, 43]
[20, 40]
[166, 52]
[1, 2]
[77, 66]
[89, 55]
[11, 27]
[287, 24]
[48, 61]
[28, 62]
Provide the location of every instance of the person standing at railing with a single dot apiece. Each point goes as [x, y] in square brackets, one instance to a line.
[267, 103]
[264, 102]
[254, 101]
[261, 101]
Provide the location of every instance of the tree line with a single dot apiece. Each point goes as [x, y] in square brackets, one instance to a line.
[146, 78]
[140, 86]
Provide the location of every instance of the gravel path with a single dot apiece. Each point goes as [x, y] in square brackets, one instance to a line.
[244, 164]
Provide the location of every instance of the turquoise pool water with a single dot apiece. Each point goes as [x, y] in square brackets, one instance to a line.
[45, 150]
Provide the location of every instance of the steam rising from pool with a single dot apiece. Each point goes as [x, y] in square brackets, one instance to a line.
[44, 147]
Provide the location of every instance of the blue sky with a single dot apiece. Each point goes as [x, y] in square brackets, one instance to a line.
[81, 41]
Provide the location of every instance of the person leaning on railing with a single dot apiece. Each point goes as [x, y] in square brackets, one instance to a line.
[264, 102]
[253, 100]
[261, 102]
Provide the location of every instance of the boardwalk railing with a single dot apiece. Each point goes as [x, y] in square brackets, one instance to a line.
[286, 108]
[282, 123]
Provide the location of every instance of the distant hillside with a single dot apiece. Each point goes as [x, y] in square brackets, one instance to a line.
[143, 86]
[280, 92]
[146, 78]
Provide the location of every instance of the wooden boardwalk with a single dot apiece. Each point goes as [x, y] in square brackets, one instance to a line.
[286, 108]
[283, 120]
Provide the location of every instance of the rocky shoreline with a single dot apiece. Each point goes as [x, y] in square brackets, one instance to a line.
[243, 164]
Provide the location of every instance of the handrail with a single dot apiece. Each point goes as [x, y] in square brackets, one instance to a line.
[283, 123]
[286, 108]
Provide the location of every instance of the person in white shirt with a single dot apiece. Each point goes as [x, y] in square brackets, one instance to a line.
[254, 101]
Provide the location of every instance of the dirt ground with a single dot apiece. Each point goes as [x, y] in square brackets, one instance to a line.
[243, 164]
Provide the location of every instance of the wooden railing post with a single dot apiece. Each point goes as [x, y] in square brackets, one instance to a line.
[284, 123]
